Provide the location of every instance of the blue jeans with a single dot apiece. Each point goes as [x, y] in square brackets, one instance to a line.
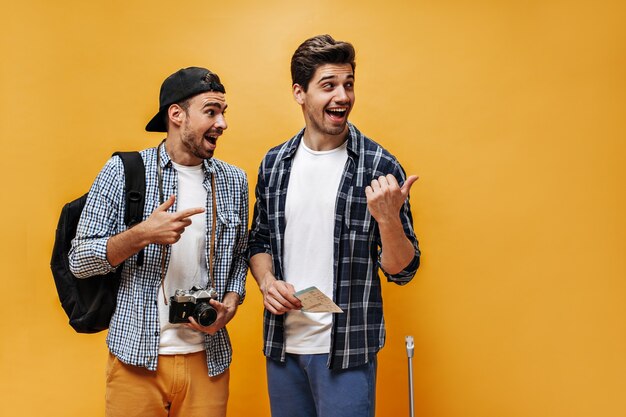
[303, 386]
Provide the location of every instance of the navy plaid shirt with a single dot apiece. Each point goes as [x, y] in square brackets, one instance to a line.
[134, 330]
[359, 331]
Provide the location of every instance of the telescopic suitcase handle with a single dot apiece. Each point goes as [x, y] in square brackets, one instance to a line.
[409, 353]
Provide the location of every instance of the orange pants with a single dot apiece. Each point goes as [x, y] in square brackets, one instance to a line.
[179, 387]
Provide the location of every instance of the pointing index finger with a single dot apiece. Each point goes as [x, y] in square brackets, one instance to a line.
[180, 215]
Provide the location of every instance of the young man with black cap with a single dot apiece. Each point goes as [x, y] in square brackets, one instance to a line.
[159, 368]
[331, 211]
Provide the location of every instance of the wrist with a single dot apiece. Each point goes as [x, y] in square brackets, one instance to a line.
[140, 235]
[231, 300]
[390, 224]
[266, 281]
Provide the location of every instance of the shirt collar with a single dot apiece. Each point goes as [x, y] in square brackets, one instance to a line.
[209, 164]
[354, 142]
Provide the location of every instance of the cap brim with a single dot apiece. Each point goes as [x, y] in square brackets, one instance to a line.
[156, 124]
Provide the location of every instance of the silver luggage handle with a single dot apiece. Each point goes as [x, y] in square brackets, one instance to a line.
[409, 353]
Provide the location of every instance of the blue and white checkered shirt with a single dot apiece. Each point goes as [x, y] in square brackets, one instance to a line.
[134, 330]
[359, 331]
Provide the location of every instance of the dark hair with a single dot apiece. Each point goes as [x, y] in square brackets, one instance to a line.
[214, 83]
[318, 51]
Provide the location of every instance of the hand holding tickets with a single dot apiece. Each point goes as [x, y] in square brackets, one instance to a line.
[315, 301]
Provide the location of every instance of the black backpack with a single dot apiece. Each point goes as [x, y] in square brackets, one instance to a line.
[90, 302]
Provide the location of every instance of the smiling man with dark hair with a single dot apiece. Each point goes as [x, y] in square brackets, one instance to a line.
[331, 210]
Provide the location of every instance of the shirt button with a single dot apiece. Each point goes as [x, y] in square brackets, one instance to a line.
[156, 333]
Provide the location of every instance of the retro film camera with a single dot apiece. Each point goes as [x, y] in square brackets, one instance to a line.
[194, 303]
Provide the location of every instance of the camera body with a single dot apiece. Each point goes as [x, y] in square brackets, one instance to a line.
[194, 303]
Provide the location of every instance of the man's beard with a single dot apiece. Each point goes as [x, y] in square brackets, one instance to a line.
[329, 130]
[189, 140]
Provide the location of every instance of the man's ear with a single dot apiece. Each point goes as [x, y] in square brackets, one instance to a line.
[299, 93]
[176, 114]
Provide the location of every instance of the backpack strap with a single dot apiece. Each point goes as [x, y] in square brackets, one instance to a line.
[135, 174]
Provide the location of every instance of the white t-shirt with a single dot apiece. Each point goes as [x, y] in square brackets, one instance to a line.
[308, 251]
[187, 266]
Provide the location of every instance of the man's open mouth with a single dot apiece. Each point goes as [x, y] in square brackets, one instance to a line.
[337, 113]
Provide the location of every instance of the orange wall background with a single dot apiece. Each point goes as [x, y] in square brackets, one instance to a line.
[512, 114]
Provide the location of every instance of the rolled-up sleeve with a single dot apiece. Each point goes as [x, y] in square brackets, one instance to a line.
[98, 222]
[407, 274]
[259, 239]
[237, 277]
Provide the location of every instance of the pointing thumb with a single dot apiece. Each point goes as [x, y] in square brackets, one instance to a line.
[406, 187]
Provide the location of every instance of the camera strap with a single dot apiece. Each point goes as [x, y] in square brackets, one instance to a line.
[213, 231]
[163, 247]
[213, 225]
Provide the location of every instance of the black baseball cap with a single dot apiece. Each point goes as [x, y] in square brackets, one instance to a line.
[184, 83]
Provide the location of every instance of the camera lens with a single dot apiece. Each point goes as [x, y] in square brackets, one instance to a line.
[204, 314]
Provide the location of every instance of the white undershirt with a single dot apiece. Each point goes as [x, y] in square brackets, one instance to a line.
[187, 266]
[308, 251]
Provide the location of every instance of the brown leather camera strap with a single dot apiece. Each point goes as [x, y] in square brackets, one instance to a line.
[161, 198]
[213, 231]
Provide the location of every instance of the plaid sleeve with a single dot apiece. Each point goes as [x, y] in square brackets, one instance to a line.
[259, 239]
[98, 222]
[404, 276]
[239, 269]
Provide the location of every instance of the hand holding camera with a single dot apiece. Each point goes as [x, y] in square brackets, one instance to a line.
[193, 303]
[195, 307]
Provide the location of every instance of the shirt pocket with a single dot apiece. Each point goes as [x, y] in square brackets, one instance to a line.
[228, 221]
[357, 217]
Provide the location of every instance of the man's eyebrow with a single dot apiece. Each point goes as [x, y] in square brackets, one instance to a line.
[331, 76]
[214, 104]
